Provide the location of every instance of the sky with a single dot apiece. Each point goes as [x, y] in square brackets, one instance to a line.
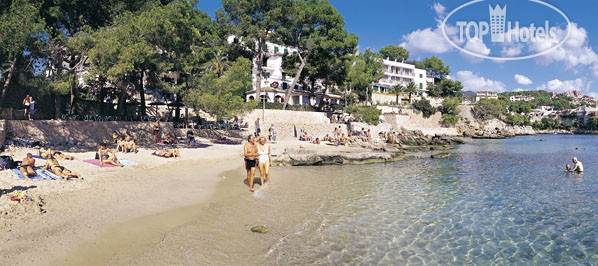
[417, 26]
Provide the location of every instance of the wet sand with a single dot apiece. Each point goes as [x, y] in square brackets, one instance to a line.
[215, 232]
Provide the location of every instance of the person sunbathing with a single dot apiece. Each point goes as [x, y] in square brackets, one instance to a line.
[55, 154]
[26, 167]
[107, 156]
[170, 139]
[53, 165]
[129, 145]
[120, 144]
[317, 141]
[168, 153]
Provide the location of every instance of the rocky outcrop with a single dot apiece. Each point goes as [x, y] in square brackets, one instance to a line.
[493, 129]
[313, 157]
[443, 155]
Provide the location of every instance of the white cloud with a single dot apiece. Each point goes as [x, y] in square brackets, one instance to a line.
[512, 50]
[431, 40]
[439, 9]
[573, 53]
[475, 46]
[557, 85]
[474, 82]
[518, 90]
[522, 80]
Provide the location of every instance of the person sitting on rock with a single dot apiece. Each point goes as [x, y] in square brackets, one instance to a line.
[26, 167]
[53, 165]
[120, 144]
[343, 139]
[129, 145]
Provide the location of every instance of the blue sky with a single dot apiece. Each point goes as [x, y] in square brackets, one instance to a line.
[414, 25]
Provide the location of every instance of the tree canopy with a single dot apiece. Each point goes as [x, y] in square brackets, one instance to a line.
[394, 52]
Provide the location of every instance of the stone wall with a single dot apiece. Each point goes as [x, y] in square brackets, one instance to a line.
[413, 120]
[316, 124]
[88, 133]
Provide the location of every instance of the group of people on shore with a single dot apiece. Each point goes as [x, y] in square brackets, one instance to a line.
[257, 154]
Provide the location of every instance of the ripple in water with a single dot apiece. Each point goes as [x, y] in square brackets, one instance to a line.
[495, 202]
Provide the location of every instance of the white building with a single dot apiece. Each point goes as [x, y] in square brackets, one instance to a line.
[517, 98]
[399, 73]
[485, 94]
[275, 83]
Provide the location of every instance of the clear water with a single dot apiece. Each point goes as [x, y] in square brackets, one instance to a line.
[496, 202]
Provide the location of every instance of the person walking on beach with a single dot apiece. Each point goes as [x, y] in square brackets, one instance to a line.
[250, 152]
[26, 103]
[257, 127]
[157, 131]
[393, 138]
[578, 166]
[265, 160]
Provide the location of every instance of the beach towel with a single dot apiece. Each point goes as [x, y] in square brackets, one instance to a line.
[41, 175]
[126, 162]
[96, 162]
[38, 157]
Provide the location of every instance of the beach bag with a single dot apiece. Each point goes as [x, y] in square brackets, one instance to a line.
[6, 162]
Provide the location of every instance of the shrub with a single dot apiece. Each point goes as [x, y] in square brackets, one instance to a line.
[450, 119]
[367, 114]
[425, 107]
[517, 120]
[490, 108]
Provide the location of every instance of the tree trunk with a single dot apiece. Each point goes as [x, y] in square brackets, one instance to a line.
[58, 105]
[177, 111]
[11, 71]
[287, 96]
[121, 109]
[101, 97]
[321, 105]
[367, 96]
[142, 93]
[259, 69]
[73, 93]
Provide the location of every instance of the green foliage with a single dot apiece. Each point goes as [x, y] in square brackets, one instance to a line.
[520, 107]
[451, 105]
[550, 124]
[366, 68]
[425, 107]
[434, 90]
[222, 97]
[367, 114]
[394, 52]
[434, 67]
[517, 120]
[450, 119]
[278, 106]
[592, 123]
[490, 108]
[450, 88]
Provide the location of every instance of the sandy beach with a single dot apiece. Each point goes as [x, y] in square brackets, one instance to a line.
[67, 220]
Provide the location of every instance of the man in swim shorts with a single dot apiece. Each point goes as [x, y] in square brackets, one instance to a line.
[250, 153]
[27, 165]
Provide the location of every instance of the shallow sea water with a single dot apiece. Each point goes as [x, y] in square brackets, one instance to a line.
[496, 202]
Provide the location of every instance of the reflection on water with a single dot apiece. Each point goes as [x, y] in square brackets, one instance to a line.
[496, 201]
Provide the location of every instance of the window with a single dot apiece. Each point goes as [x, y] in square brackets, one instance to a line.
[265, 62]
[275, 49]
[284, 76]
[294, 52]
[421, 76]
[265, 47]
[268, 76]
[421, 86]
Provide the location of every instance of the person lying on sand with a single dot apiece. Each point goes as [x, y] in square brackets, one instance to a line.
[316, 141]
[56, 154]
[27, 165]
[107, 156]
[168, 153]
[53, 165]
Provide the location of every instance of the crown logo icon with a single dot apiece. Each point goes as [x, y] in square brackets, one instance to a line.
[498, 17]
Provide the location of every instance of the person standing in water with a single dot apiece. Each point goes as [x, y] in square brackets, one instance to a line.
[250, 152]
[578, 166]
[265, 160]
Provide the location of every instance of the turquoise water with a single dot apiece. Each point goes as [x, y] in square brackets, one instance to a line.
[498, 202]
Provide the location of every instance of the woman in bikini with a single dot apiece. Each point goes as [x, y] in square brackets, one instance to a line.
[55, 154]
[53, 165]
[107, 156]
[168, 153]
[264, 160]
